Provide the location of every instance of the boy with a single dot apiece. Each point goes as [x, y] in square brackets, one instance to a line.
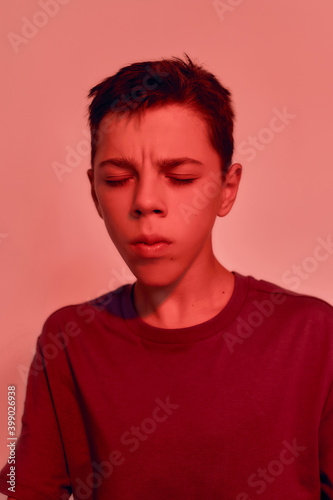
[194, 382]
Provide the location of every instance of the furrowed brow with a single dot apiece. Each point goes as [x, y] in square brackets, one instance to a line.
[176, 162]
[164, 164]
[119, 162]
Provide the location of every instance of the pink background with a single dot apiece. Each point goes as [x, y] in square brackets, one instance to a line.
[54, 248]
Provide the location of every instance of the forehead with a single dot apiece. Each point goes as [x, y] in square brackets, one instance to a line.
[172, 129]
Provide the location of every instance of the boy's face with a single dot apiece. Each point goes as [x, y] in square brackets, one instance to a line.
[157, 184]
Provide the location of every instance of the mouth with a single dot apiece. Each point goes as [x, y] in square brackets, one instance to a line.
[150, 240]
[152, 246]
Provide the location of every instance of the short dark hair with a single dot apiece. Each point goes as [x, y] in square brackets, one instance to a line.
[142, 85]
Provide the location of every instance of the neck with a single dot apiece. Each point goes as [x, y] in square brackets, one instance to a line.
[195, 298]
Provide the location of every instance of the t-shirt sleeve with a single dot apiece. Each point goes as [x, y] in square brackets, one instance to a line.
[326, 449]
[40, 462]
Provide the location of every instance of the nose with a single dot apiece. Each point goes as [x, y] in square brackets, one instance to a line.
[148, 198]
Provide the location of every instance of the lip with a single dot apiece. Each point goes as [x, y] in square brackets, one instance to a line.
[150, 239]
[150, 246]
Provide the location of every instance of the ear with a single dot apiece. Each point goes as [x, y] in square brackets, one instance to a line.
[90, 173]
[231, 182]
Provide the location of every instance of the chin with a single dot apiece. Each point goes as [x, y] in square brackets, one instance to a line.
[155, 277]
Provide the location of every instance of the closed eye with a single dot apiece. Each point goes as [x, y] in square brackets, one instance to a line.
[174, 180]
[118, 182]
[180, 182]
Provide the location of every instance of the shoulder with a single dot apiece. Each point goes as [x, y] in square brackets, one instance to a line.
[288, 303]
[267, 288]
[68, 321]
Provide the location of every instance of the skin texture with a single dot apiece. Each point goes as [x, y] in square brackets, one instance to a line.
[186, 285]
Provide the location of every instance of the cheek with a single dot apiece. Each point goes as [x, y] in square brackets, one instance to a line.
[115, 227]
[195, 213]
[203, 195]
[115, 217]
[113, 205]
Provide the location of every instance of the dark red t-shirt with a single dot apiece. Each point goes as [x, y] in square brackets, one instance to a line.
[239, 407]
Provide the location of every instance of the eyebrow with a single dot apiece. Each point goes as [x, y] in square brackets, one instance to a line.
[164, 164]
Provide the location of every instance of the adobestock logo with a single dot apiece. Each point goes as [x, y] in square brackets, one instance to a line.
[256, 143]
[3, 236]
[201, 197]
[255, 319]
[57, 341]
[31, 27]
[226, 7]
[73, 158]
[132, 439]
[294, 276]
[263, 477]
[138, 93]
